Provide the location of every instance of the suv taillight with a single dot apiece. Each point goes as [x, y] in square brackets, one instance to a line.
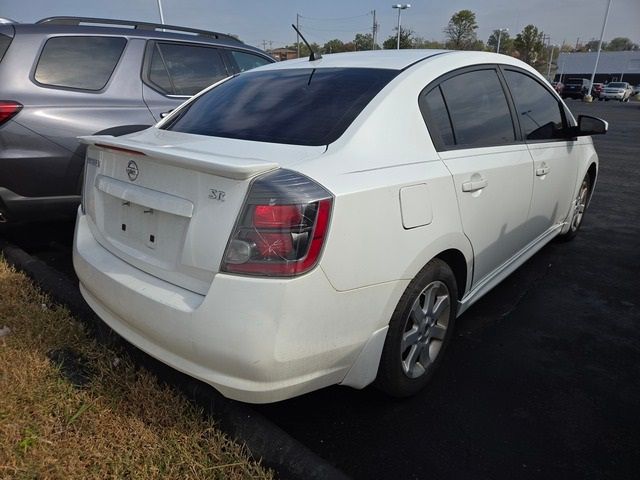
[8, 110]
[282, 227]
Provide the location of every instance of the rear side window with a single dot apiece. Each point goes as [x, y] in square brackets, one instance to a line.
[302, 106]
[83, 63]
[248, 61]
[5, 41]
[436, 116]
[537, 109]
[478, 108]
[178, 69]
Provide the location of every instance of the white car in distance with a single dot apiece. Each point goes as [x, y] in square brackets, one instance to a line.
[620, 91]
[307, 224]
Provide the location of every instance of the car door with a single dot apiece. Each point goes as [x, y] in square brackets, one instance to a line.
[490, 166]
[544, 124]
[174, 71]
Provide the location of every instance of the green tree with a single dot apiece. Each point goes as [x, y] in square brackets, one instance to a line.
[334, 46]
[406, 39]
[364, 41]
[592, 46]
[506, 42]
[461, 30]
[419, 42]
[528, 44]
[304, 50]
[620, 44]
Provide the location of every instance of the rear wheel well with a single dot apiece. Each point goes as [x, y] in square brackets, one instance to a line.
[458, 264]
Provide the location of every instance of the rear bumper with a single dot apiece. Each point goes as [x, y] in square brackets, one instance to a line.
[255, 340]
[14, 207]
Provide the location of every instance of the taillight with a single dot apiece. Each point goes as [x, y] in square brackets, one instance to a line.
[282, 227]
[8, 110]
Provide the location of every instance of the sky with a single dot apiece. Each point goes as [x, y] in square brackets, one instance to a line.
[268, 23]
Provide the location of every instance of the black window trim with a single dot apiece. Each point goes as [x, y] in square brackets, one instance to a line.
[435, 138]
[563, 111]
[34, 68]
[223, 50]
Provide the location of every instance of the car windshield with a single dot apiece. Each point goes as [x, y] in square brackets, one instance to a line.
[617, 85]
[302, 106]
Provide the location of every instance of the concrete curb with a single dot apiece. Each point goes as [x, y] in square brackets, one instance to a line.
[265, 440]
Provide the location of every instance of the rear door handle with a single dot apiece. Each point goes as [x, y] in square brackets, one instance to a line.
[474, 185]
[543, 170]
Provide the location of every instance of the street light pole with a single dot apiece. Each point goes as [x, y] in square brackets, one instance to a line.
[595, 67]
[161, 14]
[400, 7]
[553, 47]
[499, 36]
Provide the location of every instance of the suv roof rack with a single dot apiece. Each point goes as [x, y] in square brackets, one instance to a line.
[136, 25]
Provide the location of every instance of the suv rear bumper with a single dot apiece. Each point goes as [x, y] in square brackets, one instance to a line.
[14, 207]
[256, 340]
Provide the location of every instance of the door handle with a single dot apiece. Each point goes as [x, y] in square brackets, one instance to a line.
[543, 170]
[474, 186]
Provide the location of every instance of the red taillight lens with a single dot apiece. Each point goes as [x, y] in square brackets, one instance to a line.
[282, 228]
[8, 110]
[276, 216]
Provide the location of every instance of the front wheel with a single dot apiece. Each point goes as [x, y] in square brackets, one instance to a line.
[419, 331]
[580, 206]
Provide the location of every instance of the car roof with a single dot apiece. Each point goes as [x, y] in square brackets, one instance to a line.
[385, 59]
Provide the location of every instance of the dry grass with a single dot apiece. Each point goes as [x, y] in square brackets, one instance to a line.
[123, 424]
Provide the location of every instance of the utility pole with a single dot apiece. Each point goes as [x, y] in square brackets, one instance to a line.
[577, 43]
[374, 31]
[595, 67]
[297, 34]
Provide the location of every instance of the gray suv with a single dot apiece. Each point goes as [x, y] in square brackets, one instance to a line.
[66, 76]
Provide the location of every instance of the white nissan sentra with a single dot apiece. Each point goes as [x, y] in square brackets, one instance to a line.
[311, 223]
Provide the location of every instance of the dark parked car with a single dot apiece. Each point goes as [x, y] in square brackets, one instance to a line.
[65, 76]
[575, 88]
[596, 90]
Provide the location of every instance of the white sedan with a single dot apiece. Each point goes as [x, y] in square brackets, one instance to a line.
[311, 223]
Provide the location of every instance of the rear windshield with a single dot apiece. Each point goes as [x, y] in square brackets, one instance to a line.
[297, 106]
[617, 85]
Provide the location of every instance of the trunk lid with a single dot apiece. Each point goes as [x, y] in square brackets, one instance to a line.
[166, 202]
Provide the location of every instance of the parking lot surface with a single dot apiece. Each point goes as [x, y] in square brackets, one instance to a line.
[541, 380]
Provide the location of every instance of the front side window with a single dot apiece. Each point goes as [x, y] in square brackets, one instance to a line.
[177, 69]
[478, 109]
[537, 109]
[83, 63]
[298, 106]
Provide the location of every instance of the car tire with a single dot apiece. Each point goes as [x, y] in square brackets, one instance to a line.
[419, 331]
[581, 202]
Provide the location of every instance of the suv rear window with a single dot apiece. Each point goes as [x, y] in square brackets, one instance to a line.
[296, 106]
[5, 41]
[177, 69]
[82, 63]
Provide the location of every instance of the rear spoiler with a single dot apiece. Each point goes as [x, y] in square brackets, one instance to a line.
[237, 168]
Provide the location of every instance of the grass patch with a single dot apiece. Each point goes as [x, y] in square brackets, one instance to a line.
[121, 424]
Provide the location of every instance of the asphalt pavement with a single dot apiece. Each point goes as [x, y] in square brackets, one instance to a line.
[543, 377]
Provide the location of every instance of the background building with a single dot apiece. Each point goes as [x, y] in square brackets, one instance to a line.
[612, 66]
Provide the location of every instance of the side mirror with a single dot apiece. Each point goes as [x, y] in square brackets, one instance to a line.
[588, 125]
